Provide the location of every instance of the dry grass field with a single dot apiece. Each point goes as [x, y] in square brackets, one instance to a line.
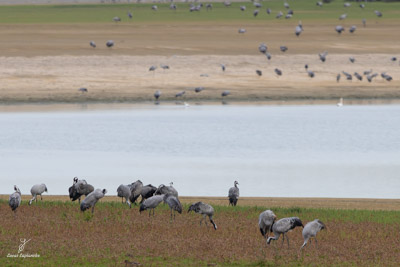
[118, 236]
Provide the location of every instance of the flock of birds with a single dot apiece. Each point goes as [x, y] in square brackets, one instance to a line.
[369, 74]
[152, 196]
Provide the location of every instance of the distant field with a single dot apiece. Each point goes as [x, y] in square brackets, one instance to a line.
[117, 235]
[103, 13]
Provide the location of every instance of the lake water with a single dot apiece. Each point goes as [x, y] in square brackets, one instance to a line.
[277, 151]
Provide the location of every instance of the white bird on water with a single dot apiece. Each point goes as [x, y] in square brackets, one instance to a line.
[186, 104]
[340, 103]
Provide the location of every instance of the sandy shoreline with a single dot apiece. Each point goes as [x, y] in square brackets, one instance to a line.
[332, 203]
[128, 79]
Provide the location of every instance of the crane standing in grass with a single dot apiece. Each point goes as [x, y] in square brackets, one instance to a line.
[124, 191]
[233, 194]
[173, 203]
[151, 203]
[15, 199]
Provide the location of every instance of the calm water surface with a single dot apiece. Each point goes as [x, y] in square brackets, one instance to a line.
[279, 151]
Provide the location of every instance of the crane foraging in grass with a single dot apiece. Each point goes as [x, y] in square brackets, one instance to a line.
[124, 191]
[205, 210]
[310, 230]
[91, 200]
[173, 203]
[151, 203]
[265, 222]
[37, 190]
[283, 226]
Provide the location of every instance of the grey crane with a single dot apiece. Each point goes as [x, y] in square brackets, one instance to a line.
[173, 203]
[91, 200]
[233, 194]
[259, 72]
[242, 30]
[282, 226]
[79, 188]
[348, 75]
[37, 190]
[136, 190]
[151, 203]
[322, 56]
[130, 16]
[386, 76]
[227, 3]
[370, 77]
[92, 44]
[157, 94]
[198, 89]
[358, 76]
[288, 16]
[124, 191]
[163, 190]
[279, 15]
[83, 90]
[225, 93]
[286, 5]
[347, 4]
[338, 77]
[154, 7]
[116, 19]
[147, 192]
[242, 8]
[364, 22]
[352, 59]
[164, 67]
[179, 94]
[173, 6]
[278, 72]
[255, 12]
[262, 48]
[205, 210]
[223, 67]
[362, 5]
[153, 68]
[310, 73]
[15, 199]
[310, 230]
[110, 43]
[268, 11]
[339, 29]
[257, 4]
[290, 12]
[265, 222]
[367, 72]
[306, 66]
[209, 7]
[268, 55]
[378, 13]
[298, 30]
[352, 29]
[283, 48]
[343, 16]
[319, 3]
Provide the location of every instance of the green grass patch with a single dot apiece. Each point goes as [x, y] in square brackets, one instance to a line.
[142, 13]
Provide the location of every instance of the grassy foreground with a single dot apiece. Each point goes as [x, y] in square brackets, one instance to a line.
[103, 13]
[116, 235]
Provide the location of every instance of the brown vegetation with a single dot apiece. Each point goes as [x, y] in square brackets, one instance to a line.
[63, 235]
